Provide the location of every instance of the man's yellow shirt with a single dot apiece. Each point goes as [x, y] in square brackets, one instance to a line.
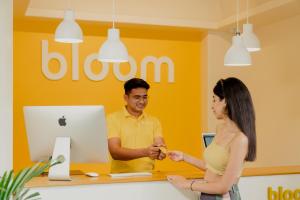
[134, 133]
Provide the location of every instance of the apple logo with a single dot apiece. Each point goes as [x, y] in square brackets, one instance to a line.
[62, 121]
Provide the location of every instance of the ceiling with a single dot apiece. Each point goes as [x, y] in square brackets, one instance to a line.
[139, 15]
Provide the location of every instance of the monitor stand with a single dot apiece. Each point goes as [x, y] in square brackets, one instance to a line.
[73, 172]
[61, 171]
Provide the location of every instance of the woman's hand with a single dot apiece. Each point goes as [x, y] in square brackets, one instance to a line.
[176, 155]
[179, 181]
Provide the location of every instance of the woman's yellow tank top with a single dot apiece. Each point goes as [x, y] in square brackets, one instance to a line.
[216, 157]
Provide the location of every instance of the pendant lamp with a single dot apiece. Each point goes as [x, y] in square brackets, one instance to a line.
[68, 31]
[113, 50]
[237, 54]
[249, 38]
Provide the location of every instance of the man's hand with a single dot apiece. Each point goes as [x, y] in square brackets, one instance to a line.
[159, 142]
[153, 152]
[162, 151]
[161, 155]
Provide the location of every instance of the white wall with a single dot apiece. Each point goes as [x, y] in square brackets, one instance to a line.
[6, 85]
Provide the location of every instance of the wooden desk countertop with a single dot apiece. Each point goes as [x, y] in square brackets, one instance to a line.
[42, 181]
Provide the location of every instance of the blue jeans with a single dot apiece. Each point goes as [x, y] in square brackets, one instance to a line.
[233, 193]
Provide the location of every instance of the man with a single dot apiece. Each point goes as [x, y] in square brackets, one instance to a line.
[134, 137]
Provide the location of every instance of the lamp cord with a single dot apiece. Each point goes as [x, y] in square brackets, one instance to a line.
[237, 17]
[114, 14]
[247, 11]
[69, 5]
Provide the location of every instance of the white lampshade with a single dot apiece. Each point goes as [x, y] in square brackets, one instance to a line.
[113, 50]
[68, 31]
[249, 38]
[237, 54]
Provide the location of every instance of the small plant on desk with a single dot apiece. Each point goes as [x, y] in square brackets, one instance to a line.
[12, 186]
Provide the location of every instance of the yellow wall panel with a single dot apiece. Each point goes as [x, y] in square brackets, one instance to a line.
[176, 104]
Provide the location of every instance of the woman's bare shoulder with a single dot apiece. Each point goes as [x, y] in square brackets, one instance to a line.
[240, 139]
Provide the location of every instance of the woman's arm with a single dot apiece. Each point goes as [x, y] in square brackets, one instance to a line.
[180, 156]
[194, 161]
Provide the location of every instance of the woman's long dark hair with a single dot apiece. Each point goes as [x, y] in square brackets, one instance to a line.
[240, 109]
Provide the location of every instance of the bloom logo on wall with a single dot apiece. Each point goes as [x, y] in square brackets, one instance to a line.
[282, 194]
[46, 57]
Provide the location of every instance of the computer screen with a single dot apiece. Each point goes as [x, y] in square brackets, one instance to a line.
[85, 126]
[207, 138]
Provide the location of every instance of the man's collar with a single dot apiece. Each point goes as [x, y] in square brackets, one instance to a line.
[127, 114]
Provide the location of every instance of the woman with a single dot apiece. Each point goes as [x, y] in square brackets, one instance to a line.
[233, 144]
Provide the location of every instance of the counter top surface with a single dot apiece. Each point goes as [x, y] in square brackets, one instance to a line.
[42, 181]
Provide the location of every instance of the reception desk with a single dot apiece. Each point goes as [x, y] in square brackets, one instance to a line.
[254, 184]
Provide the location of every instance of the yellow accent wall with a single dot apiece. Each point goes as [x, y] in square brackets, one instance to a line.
[177, 105]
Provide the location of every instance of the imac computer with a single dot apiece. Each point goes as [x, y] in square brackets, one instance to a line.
[76, 132]
[207, 138]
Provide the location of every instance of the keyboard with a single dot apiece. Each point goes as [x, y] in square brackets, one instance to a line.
[128, 175]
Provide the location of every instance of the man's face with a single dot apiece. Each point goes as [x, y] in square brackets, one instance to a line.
[137, 99]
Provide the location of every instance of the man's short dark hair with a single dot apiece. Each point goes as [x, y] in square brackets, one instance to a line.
[135, 83]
